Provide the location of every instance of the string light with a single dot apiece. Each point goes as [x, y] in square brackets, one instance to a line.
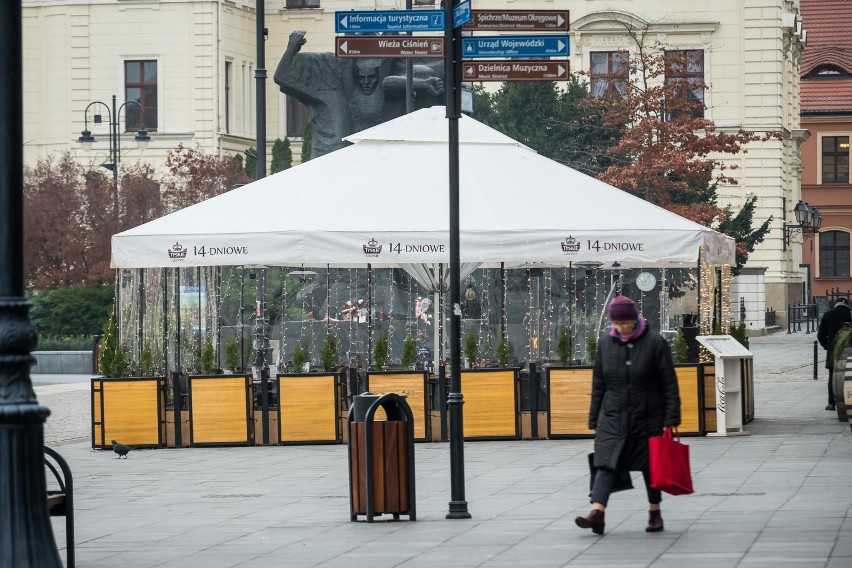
[705, 303]
[727, 277]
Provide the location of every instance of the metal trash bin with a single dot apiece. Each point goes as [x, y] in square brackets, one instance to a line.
[381, 457]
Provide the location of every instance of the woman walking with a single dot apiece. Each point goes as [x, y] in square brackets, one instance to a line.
[634, 395]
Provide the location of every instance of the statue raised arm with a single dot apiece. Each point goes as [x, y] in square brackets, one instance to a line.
[317, 81]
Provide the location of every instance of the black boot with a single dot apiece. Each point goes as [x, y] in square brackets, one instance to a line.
[594, 520]
[655, 521]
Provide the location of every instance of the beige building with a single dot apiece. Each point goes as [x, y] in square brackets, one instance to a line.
[192, 64]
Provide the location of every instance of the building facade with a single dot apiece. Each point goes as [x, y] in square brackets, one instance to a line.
[827, 114]
[193, 66]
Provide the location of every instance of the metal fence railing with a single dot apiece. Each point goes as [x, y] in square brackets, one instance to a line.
[799, 314]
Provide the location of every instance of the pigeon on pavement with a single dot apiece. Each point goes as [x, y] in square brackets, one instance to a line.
[120, 449]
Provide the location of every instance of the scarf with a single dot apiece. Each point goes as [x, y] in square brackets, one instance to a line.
[637, 331]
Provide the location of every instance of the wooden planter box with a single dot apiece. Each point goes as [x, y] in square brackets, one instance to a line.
[130, 410]
[308, 408]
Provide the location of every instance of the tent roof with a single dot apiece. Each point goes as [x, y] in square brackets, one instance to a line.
[385, 200]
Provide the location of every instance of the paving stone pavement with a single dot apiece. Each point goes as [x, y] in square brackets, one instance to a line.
[780, 496]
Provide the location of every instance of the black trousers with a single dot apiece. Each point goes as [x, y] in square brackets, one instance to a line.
[830, 389]
[604, 480]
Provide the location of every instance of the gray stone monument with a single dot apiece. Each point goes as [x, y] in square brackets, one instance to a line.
[347, 95]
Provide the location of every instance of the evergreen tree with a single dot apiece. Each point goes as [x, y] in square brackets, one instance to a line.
[282, 156]
[251, 163]
[739, 227]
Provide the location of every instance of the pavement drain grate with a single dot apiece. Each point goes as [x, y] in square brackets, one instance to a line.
[234, 496]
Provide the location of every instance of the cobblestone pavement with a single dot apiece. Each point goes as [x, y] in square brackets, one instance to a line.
[779, 496]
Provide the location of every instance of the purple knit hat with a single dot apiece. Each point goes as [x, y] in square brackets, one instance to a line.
[622, 308]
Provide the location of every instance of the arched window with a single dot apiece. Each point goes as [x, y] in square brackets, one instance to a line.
[834, 254]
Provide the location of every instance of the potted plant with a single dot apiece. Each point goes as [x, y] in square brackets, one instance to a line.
[381, 351]
[232, 356]
[146, 362]
[503, 353]
[738, 332]
[208, 359]
[564, 347]
[680, 350]
[470, 348]
[328, 353]
[409, 352]
[591, 349]
[301, 357]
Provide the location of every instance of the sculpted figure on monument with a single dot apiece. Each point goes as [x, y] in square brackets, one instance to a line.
[346, 95]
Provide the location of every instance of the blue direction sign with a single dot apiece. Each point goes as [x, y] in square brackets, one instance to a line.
[380, 21]
[462, 14]
[509, 46]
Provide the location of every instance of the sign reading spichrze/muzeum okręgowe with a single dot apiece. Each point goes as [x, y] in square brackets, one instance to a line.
[519, 20]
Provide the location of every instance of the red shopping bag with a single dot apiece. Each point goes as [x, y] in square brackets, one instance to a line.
[669, 463]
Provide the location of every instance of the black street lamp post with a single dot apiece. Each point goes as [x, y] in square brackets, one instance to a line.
[26, 536]
[86, 139]
[455, 400]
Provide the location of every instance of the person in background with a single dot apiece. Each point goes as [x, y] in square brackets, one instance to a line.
[829, 325]
[634, 395]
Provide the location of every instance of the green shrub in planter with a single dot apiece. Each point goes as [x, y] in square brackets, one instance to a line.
[470, 348]
[328, 353]
[564, 347]
[409, 352]
[503, 354]
[680, 350]
[232, 356]
[591, 349]
[208, 359]
[301, 355]
[738, 332]
[381, 351]
[146, 362]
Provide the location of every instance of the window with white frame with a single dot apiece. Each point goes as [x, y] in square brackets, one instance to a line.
[140, 86]
[302, 4]
[834, 254]
[608, 74]
[835, 159]
[685, 71]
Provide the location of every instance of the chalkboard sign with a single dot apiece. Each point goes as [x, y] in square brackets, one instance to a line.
[821, 304]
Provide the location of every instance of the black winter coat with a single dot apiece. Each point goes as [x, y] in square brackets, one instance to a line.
[829, 325]
[634, 394]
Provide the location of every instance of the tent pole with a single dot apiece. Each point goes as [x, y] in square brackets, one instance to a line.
[438, 331]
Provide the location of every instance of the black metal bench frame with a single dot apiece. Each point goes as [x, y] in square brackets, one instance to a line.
[60, 502]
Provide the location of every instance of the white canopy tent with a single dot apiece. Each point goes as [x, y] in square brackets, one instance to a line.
[384, 201]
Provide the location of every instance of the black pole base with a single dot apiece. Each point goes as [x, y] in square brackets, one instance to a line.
[458, 510]
[26, 538]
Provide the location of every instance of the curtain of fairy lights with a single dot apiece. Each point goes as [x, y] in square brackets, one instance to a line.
[727, 276]
[128, 312]
[153, 319]
[707, 287]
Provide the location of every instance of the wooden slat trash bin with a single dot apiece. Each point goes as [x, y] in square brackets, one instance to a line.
[381, 457]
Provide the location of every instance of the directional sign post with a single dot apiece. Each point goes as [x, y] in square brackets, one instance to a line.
[380, 21]
[505, 47]
[515, 70]
[519, 20]
[461, 14]
[388, 46]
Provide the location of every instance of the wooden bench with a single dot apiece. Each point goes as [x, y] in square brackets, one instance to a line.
[60, 502]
